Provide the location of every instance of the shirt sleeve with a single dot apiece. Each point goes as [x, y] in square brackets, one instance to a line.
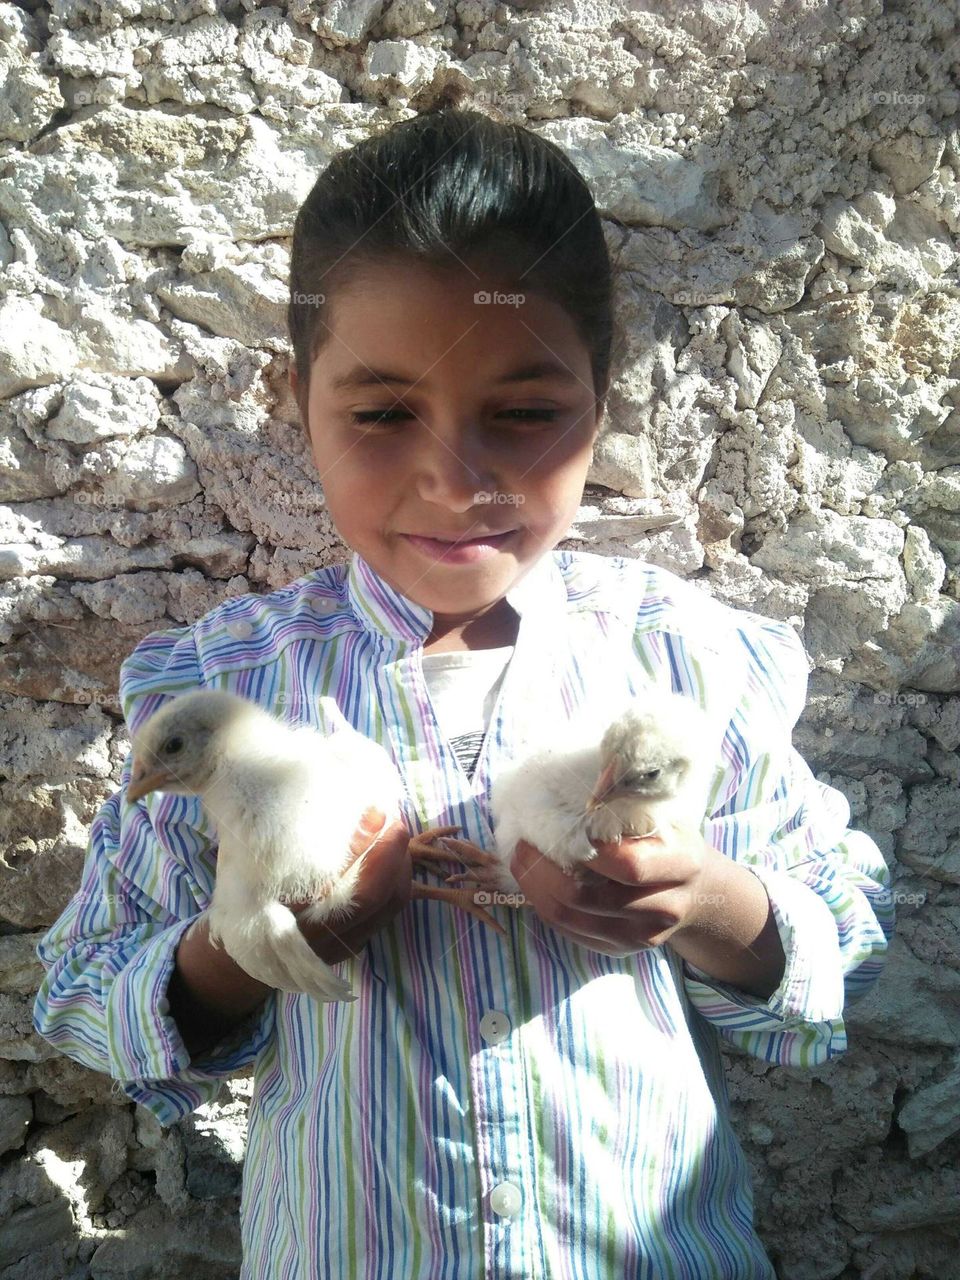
[828, 885]
[149, 872]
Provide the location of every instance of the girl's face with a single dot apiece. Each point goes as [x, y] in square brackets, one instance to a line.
[473, 440]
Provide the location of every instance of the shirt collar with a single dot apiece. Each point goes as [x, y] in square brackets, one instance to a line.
[540, 595]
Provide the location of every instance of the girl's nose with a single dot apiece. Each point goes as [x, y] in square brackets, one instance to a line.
[453, 470]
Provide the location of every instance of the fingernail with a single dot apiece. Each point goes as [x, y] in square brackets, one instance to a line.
[371, 826]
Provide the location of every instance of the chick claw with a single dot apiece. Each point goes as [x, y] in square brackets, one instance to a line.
[422, 850]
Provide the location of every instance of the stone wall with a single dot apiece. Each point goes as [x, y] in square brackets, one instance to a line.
[781, 194]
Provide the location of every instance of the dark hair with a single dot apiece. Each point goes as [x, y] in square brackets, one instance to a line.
[449, 184]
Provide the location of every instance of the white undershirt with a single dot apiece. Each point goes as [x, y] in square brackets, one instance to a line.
[463, 688]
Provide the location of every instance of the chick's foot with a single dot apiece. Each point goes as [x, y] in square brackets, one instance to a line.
[483, 873]
[465, 899]
[485, 870]
[423, 849]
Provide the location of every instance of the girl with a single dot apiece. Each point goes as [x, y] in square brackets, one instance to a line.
[549, 1103]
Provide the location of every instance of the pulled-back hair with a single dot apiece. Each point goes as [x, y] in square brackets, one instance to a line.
[443, 186]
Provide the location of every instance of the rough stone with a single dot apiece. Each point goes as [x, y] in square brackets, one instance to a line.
[636, 184]
[932, 1114]
[47, 1222]
[914, 1005]
[15, 1117]
[156, 1245]
[780, 195]
[924, 566]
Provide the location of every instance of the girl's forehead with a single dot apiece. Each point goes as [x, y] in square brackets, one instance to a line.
[408, 310]
[370, 283]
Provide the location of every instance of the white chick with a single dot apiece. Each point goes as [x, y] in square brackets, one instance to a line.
[650, 768]
[286, 800]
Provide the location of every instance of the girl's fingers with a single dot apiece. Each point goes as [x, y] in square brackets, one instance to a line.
[386, 866]
[369, 829]
[620, 939]
[613, 899]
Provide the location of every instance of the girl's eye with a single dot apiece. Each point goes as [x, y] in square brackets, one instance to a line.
[374, 416]
[535, 415]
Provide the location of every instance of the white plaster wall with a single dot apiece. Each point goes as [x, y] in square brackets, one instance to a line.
[780, 189]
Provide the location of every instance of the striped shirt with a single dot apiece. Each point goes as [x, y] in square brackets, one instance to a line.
[463, 688]
[513, 1107]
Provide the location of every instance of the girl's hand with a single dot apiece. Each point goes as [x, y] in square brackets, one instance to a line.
[383, 890]
[632, 896]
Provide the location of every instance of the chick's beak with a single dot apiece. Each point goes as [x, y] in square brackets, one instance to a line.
[146, 777]
[603, 787]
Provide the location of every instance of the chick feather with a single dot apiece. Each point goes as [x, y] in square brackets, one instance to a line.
[286, 800]
[633, 773]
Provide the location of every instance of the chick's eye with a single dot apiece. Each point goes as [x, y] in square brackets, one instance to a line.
[641, 775]
[173, 745]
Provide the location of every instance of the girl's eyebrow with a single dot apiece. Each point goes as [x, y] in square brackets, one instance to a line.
[363, 376]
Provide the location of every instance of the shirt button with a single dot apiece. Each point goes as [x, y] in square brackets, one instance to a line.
[323, 604]
[241, 630]
[505, 1199]
[494, 1026]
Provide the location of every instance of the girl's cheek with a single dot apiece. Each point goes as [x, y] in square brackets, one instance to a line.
[559, 452]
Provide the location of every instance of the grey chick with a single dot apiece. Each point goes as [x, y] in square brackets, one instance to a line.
[286, 800]
[648, 768]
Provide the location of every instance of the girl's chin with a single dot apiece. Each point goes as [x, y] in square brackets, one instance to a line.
[458, 590]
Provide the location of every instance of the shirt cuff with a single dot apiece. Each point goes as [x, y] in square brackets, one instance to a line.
[811, 989]
[144, 1042]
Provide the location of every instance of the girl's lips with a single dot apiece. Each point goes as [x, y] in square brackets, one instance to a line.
[464, 552]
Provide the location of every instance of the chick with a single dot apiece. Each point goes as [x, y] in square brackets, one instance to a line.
[286, 800]
[649, 768]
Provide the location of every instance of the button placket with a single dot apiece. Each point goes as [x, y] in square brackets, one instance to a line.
[495, 1026]
[506, 1199]
[512, 1238]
